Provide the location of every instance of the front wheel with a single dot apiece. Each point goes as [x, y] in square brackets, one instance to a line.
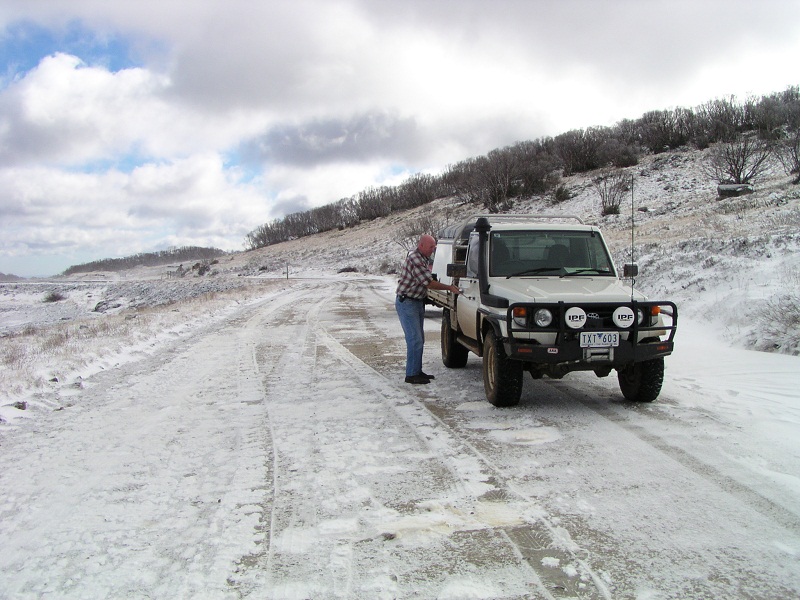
[454, 355]
[641, 382]
[502, 378]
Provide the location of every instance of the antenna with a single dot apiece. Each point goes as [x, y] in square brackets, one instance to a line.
[633, 223]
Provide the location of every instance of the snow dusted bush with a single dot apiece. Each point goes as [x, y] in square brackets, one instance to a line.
[54, 297]
[611, 186]
[780, 325]
[779, 318]
[561, 194]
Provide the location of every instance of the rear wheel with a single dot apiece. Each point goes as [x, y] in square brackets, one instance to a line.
[641, 382]
[454, 355]
[502, 378]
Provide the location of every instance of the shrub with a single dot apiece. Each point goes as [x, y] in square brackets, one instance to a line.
[54, 297]
[780, 324]
[623, 155]
[561, 194]
[387, 268]
[611, 186]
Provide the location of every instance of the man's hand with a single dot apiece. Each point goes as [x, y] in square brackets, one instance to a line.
[455, 290]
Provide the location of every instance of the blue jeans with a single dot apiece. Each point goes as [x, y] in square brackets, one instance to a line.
[412, 317]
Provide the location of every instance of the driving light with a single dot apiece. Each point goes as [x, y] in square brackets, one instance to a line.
[575, 317]
[543, 317]
[623, 317]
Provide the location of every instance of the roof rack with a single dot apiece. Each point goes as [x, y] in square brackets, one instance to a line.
[463, 229]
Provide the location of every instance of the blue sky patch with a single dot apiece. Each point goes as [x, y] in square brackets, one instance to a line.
[23, 45]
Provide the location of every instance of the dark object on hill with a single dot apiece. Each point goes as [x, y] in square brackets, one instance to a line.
[733, 190]
[106, 305]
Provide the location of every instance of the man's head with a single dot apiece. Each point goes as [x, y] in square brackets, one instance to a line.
[426, 245]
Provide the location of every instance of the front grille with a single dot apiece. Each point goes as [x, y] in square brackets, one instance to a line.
[599, 318]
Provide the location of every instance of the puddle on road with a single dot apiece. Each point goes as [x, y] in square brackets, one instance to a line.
[435, 519]
[506, 431]
[528, 437]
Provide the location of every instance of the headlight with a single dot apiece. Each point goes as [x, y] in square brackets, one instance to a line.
[543, 317]
[649, 316]
[521, 316]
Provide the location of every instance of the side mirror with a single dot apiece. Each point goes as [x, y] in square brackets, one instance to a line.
[630, 270]
[456, 270]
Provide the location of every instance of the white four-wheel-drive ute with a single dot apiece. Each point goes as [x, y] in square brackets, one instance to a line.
[542, 294]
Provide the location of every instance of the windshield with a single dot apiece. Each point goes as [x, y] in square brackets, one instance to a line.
[548, 253]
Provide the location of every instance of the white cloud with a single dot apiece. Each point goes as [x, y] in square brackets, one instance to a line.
[324, 98]
[69, 113]
[316, 186]
[195, 200]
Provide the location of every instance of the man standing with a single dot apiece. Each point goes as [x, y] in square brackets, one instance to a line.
[412, 289]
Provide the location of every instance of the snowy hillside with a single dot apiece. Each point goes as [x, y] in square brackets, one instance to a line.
[731, 263]
[722, 260]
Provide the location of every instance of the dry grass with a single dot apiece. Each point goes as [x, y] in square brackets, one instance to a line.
[37, 355]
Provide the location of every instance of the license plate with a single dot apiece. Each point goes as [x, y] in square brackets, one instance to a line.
[600, 339]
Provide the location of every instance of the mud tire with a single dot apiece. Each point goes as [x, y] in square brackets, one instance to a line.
[641, 382]
[454, 355]
[502, 378]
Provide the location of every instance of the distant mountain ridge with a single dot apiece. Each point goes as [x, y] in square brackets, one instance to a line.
[148, 259]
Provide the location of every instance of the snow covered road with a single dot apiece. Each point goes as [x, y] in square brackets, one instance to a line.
[279, 455]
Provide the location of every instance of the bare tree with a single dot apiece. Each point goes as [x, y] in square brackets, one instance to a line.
[721, 119]
[582, 150]
[788, 147]
[611, 186]
[539, 170]
[742, 161]
[667, 129]
[788, 152]
[429, 223]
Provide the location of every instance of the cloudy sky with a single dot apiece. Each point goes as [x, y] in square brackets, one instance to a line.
[133, 126]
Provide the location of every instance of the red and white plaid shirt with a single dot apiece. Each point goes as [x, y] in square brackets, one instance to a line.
[415, 275]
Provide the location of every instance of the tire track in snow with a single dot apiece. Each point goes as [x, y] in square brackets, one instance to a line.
[767, 507]
[248, 578]
[555, 560]
[488, 494]
[365, 505]
[149, 485]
